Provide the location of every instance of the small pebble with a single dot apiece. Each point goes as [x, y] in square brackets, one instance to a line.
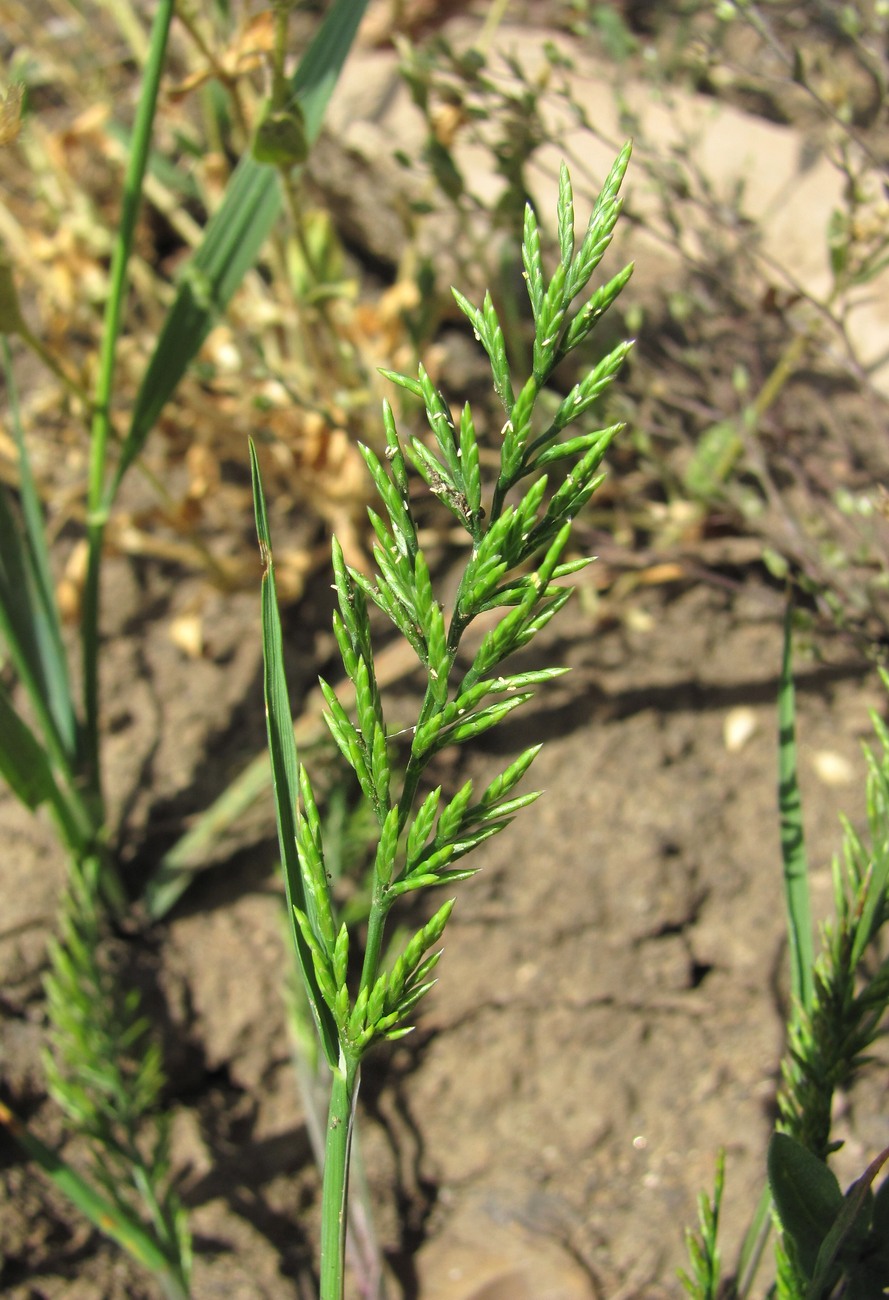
[739, 726]
[832, 768]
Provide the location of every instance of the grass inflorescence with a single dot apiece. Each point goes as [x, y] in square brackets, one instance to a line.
[519, 530]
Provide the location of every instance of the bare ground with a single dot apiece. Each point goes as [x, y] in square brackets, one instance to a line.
[609, 1009]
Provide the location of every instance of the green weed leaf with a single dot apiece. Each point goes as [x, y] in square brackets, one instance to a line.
[806, 1194]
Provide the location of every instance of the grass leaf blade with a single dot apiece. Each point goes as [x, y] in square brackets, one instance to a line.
[44, 611]
[285, 770]
[793, 845]
[24, 765]
[103, 1213]
[232, 241]
[235, 234]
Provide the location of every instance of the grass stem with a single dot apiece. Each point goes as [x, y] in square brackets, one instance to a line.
[97, 502]
[340, 1117]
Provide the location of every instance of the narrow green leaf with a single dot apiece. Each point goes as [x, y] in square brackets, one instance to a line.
[23, 761]
[793, 846]
[109, 1217]
[28, 636]
[43, 611]
[282, 749]
[235, 234]
[101, 486]
[881, 1211]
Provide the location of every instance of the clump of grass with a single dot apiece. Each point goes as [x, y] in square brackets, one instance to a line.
[828, 1243]
[839, 1006]
[519, 530]
[104, 1071]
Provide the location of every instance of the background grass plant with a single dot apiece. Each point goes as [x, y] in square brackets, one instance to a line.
[823, 69]
[104, 1071]
[828, 1243]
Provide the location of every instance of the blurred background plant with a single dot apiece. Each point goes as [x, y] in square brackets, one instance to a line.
[728, 447]
[724, 436]
[827, 1243]
[292, 323]
[761, 362]
[103, 1070]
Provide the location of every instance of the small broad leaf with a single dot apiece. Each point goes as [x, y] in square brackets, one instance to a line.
[844, 1242]
[806, 1194]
